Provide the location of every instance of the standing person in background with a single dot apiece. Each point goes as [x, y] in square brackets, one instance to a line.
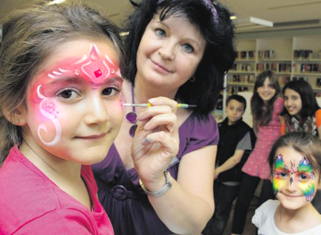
[180, 50]
[301, 112]
[266, 106]
[61, 110]
[236, 142]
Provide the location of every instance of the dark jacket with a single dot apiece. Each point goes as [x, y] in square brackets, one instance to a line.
[230, 136]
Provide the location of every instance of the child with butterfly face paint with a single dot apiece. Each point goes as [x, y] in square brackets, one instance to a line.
[295, 161]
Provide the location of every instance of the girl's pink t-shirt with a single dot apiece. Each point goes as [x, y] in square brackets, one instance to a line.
[30, 203]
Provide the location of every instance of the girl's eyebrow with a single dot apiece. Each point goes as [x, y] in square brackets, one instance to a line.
[66, 80]
[79, 81]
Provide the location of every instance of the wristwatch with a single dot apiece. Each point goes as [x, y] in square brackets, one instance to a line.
[160, 192]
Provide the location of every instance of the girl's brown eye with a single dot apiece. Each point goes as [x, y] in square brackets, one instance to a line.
[66, 94]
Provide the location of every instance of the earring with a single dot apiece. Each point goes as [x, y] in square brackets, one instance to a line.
[192, 79]
[17, 121]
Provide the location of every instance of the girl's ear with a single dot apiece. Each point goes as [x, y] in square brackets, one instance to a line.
[17, 116]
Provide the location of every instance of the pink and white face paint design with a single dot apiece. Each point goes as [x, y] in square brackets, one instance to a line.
[95, 68]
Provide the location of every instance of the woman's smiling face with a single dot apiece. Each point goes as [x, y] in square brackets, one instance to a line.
[73, 106]
[169, 52]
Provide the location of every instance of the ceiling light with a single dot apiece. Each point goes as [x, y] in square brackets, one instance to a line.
[56, 2]
[252, 23]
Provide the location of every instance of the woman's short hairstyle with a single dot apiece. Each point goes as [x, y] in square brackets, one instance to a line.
[31, 35]
[219, 55]
[257, 104]
[304, 143]
[309, 102]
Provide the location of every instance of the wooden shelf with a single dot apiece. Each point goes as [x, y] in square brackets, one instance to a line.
[240, 84]
[306, 60]
[274, 60]
[241, 72]
[307, 74]
[245, 60]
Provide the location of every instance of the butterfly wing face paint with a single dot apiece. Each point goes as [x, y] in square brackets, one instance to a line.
[279, 174]
[302, 175]
[306, 179]
[93, 68]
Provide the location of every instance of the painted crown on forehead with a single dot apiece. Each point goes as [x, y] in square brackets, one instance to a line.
[95, 68]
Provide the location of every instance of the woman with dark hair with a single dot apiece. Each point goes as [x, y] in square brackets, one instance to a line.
[266, 106]
[180, 50]
[301, 110]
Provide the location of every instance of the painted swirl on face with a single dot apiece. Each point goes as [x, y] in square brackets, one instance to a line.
[94, 68]
[48, 110]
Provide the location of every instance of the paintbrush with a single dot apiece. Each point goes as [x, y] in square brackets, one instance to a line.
[183, 106]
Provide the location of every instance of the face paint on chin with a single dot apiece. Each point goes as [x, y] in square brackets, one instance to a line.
[94, 68]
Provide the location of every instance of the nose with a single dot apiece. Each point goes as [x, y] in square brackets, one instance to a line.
[166, 51]
[289, 102]
[265, 88]
[291, 185]
[96, 111]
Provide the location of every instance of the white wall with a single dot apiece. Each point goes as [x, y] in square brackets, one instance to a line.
[247, 116]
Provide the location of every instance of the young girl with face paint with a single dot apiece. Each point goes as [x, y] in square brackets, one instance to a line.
[61, 109]
[179, 50]
[266, 106]
[295, 161]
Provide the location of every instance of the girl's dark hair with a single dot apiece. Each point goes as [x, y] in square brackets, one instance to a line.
[304, 143]
[309, 102]
[262, 114]
[29, 36]
[219, 53]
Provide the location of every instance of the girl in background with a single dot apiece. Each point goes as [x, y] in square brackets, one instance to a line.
[301, 110]
[295, 161]
[266, 106]
[61, 109]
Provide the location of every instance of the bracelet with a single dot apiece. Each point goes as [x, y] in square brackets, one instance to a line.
[160, 192]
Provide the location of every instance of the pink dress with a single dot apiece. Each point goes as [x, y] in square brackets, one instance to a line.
[257, 164]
